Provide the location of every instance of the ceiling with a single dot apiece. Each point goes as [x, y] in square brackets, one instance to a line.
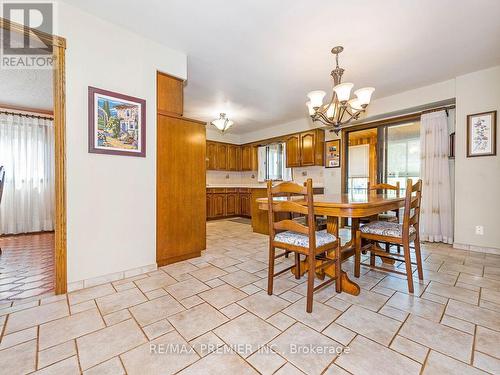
[257, 59]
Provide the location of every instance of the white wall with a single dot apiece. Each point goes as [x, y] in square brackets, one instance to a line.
[110, 199]
[477, 199]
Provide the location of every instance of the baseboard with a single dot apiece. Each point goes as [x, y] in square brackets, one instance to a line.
[478, 249]
[76, 285]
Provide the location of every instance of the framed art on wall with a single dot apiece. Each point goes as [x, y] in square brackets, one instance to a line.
[482, 134]
[117, 123]
[332, 157]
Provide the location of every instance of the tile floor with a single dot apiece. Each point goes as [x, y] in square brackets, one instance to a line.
[26, 266]
[211, 315]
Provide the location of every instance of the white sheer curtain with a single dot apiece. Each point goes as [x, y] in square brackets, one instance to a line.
[435, 214]
[27, 153]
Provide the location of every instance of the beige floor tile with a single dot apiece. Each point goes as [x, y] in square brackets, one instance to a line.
[394, 313]
[222, 296]
[439, 337]
[438, 363]
[250, 289]
[159, 280]
[19, 359]
[401, 285]
[266, 361]
[454, 268]
[191, 301]
[233, 310]
[120, 300]
[296, 344]
[367, 299]
[156, 293]
[36, 315]
[165, 355]
[370, 324]
[461, 325]
[56, 353]
[208, 273]
[108, 342]
[179, 268]
[220, 363]
[80, 307]
[252, 266]
[486, 363]
[490, 295]
[206, 344]
[338, 304]
[18, 337]
[418, 306]
[488, 341]
[110, 367]
[370, 358]
[116, 317]
[335, 370]
[263, 305]
[288, 369]
[69, 366]
[321, 316]
[86, 294]
[224, 262]
[339, 333]
[68, 328]
[281, 321]
[157, 309]
[448, 291]
[186, 288]
[409, 348]
[434, 298]
[474, 314]
[482, 282]
[197, 321]
[246, 333]
[157, 329]
[240, 278]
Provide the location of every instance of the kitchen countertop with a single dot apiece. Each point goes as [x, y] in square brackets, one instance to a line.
[245, 186]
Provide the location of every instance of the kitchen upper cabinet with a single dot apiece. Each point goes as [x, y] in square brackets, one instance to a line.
[233, 158]
[248, 158]
[169, 94]
[211, 155]
[222, 163]
[305, 149]
[293, 151]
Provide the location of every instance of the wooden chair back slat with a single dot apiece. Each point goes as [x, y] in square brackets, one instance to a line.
[291, 225]
[289, 206]
[289, 188]
[411, 214]
[383, 186]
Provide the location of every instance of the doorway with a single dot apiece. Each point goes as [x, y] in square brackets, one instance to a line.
[59, 149]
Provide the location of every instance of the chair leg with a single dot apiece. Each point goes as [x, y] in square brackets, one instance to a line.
[297, 266]
[406, 250]
[418, 255]
[338, 269]
[310, 281]
[270, 274]
[357, 254]
[372, 255]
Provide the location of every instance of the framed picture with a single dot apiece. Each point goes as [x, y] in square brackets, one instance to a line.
[482, 134]
[332, 158]
[117, 123]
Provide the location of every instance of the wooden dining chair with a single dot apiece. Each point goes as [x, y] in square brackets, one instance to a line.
[386, 216]
[394, 233]
[291, 236]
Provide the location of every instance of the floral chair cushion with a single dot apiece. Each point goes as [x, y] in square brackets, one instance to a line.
[299, 239]
[385, 228]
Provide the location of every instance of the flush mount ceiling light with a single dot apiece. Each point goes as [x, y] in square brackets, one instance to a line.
[341, 109]
[222, 123]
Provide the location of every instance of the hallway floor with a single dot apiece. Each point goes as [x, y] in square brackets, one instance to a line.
[26, 266]
[212, 315]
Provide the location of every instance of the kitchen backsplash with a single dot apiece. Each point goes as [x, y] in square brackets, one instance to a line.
[299, 175]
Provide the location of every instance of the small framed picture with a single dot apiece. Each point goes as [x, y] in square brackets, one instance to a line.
[332, 157]
[482, 134]
[117, 123]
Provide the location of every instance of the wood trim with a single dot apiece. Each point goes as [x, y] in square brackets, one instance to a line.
[174, 115]
[387, 121]
[60, 168]
[59, 94]
[28, 109]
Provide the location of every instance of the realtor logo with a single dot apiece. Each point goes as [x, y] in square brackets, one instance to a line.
[29, 46]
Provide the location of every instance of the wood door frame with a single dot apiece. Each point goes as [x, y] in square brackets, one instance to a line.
[59, 94]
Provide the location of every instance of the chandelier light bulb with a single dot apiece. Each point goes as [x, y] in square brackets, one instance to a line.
[343, 91]
[316, 98]
[310, 108]
[355, 104]
[330, 112]
[364, 95]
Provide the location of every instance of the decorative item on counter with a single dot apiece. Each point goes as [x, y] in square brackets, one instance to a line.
[117, 123]
[332, 158]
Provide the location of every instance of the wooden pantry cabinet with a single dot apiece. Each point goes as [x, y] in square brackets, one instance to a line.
[305, 149]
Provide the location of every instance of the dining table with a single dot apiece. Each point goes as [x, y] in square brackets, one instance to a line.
[354, 206]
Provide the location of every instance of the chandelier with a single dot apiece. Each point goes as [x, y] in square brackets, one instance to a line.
[341, 109]
[222, 123]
